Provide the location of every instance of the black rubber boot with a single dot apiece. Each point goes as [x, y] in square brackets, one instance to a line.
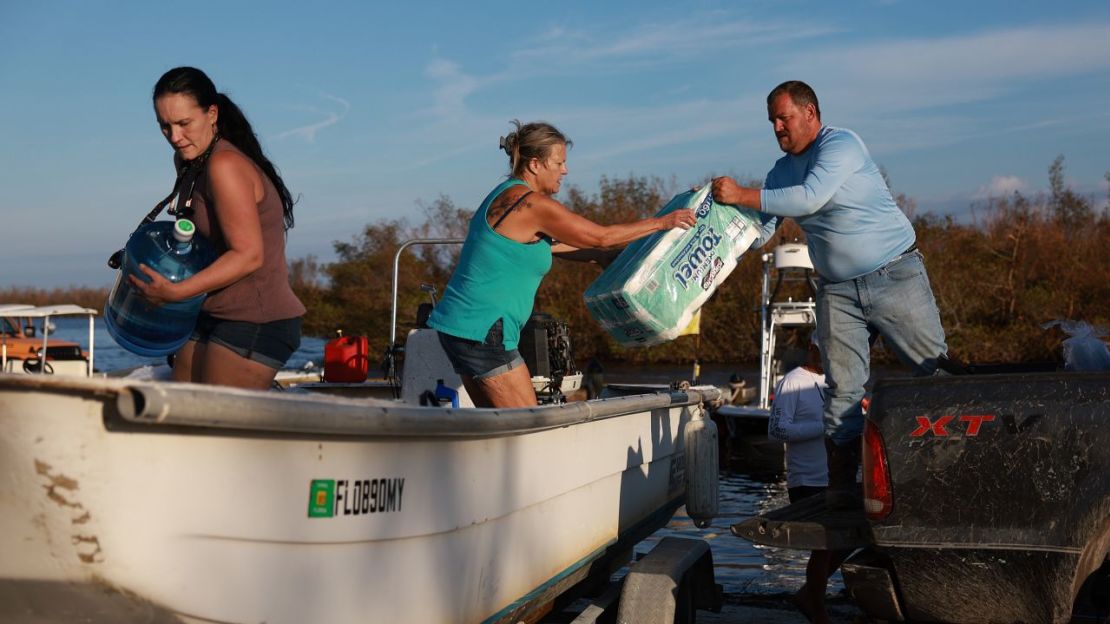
[843, 459]
[950, 366]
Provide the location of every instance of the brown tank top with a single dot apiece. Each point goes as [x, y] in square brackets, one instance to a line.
[264, 295]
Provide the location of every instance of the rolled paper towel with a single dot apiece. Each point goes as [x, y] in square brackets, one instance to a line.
[649, 294]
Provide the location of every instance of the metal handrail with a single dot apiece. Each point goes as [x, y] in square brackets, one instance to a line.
[769, 311]
[396, 275]
[194, 405]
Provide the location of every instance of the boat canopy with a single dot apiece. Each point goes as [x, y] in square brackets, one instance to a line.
[9, 309]
[64, 309]
[45, 312]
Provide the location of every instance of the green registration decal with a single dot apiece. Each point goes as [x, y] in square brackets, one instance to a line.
[321, 498]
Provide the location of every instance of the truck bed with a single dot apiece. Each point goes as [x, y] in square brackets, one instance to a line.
[998, 507]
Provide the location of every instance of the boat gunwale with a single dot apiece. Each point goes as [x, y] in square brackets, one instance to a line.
[166, 407]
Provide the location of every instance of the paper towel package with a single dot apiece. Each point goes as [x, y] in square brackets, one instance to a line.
[649, 294]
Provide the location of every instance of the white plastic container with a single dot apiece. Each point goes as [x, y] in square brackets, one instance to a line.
[792, 256]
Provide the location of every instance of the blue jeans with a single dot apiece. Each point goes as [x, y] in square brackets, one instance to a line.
[895, 302]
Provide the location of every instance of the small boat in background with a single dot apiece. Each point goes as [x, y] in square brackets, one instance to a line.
[25, 348]
[747, 423]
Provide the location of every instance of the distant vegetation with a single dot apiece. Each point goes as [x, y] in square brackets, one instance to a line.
[1021, 261]
[86, 297]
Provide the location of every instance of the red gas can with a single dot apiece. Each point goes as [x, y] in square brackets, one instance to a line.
[346, 359]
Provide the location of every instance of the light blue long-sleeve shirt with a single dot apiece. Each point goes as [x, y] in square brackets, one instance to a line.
[798, 418]
[839, 198]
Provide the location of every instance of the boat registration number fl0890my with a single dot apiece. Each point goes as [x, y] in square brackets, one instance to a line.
[328, 498]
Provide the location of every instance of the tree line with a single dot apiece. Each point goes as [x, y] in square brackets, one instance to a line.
[1020, 261]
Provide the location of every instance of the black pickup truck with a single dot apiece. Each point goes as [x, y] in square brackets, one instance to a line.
[986, 499]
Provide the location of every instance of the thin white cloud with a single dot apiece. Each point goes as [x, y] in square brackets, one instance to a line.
[914, 74]
[447, 122]
[656, 42]
[895, 133]
[1037, 125]
[447, 154]
[904, 131]
[603, 50]
[618, 131]
[668, 138]
[1001, 186]
[554, 33]
[453, 86]
[907, 81]
[331, 117]
[679, 90]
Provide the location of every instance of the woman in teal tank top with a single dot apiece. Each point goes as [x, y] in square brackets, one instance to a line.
[507, 252]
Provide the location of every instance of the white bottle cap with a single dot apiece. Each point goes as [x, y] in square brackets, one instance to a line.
[183, 230]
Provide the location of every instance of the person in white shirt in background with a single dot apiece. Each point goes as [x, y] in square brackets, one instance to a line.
[797, 418]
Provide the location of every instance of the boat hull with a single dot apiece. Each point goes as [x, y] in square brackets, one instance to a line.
[225, 523]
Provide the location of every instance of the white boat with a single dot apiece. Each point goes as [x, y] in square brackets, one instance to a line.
[208, 504]
[145, 500]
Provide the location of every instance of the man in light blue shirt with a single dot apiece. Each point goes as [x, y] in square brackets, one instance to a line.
[872, 278]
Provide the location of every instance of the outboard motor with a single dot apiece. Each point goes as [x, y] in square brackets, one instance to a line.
[545, 347]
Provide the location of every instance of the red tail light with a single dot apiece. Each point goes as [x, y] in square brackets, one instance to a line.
[878, 500]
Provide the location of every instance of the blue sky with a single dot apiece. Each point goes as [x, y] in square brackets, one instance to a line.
[370, 108]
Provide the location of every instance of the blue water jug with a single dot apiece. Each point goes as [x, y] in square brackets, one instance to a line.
[173, 250]
[446, 394]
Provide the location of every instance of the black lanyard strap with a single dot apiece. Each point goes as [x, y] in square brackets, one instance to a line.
[188, 174]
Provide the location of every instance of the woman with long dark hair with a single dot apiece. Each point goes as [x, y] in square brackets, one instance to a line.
[250, 322]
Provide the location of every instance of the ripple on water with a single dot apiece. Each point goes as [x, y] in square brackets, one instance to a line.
[740, 566]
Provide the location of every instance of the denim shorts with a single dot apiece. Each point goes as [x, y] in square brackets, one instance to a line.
[480, 360]
[269, 344]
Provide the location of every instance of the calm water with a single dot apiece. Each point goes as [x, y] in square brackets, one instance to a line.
[741, 567]
[110, 357]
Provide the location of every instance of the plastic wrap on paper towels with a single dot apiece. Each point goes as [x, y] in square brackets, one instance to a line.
[649, 294]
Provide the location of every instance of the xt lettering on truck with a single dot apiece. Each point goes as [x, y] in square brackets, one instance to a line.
[971, 423]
